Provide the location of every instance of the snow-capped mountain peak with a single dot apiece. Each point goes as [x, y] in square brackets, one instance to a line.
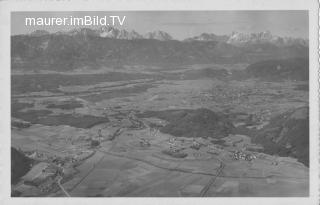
[158, 35]
[208, 37]
[237, 38]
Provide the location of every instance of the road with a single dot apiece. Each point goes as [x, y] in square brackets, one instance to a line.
[205, 190]
[61, 187]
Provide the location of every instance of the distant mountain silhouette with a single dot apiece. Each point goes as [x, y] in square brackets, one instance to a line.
[112, 47]
[235, 38]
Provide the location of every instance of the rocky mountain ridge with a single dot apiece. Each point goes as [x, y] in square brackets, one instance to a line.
[235, 38]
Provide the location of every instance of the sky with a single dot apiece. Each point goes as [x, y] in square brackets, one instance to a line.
[184, 24]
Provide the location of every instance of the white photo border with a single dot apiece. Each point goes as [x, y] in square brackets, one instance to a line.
[6, 7]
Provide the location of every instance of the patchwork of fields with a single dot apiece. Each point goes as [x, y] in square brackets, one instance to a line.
[186, 131]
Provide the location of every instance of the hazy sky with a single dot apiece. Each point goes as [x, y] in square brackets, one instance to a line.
[183, 24]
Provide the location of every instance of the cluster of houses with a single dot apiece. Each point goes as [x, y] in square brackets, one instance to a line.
[239, 155]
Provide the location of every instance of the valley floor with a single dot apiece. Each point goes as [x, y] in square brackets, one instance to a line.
[96, 143]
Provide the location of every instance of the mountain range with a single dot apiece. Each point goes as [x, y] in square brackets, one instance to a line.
[109, 46]
[110, 32]
[235, 38]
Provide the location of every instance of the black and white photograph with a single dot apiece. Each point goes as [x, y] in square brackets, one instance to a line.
[218, 109]
[161, 103]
